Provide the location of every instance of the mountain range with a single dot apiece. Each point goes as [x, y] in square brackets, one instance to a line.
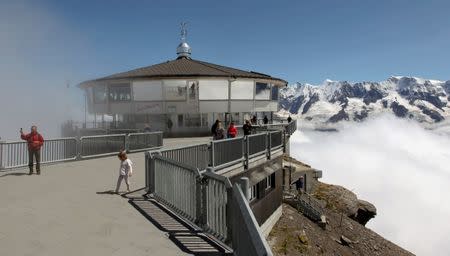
[426, 101]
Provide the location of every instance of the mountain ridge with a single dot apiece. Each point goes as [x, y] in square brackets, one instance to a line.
[423, 100]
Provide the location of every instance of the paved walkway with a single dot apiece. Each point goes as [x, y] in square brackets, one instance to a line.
[61, 212]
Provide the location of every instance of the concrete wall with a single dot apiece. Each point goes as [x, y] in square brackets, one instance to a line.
[269, 200]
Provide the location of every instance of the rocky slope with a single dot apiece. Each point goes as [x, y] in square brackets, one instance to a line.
[427, 101]
[295, 234]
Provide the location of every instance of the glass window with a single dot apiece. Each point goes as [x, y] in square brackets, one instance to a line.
[213, 89]
[193, 88]
[140, 118]
[100, 94]
[175, 89]
[242, 90]
[253, 192]
[205, 120]
[235, 118]
[147, 90]
[274, 93]
[192, 120]
[120, 92]
[262, 91]
[180, 120]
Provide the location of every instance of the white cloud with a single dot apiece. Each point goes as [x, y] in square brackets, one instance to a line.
[397, 165]
[38, 53]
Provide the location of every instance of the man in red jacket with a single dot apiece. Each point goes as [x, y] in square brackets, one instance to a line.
[35, 142]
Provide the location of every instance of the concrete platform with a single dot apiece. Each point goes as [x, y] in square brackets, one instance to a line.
[65, 211]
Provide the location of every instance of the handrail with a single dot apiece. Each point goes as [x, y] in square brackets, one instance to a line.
[14, 154]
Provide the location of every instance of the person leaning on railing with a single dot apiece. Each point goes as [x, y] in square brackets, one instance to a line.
[35, 142]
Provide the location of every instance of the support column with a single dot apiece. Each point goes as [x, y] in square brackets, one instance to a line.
[244, 182]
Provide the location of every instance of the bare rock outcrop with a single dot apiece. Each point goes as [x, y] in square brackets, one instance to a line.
[343, 200]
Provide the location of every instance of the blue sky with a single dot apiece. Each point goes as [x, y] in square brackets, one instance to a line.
[307, 41]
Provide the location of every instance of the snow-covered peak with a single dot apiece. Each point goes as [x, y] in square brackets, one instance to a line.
[424, 99]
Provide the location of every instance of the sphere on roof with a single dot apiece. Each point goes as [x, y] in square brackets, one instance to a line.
[184, 50]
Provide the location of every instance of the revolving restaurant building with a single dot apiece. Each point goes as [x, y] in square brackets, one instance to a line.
[183, 96]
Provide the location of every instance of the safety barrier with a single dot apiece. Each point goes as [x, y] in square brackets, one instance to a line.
[246, 236]
[276, 139]
[196, 156]
[216, 191]
[101, 145]
[175, 184]
[15, 154]
[256, 144]
[208, 200]
[227, 152]
[140, 141]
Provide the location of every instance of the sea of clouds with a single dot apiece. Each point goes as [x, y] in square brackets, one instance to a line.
[397, 165]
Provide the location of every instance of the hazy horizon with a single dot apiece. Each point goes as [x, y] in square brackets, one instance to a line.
[395, 164]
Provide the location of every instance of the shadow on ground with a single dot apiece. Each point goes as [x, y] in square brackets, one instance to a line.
[186, 237]
[14, 174]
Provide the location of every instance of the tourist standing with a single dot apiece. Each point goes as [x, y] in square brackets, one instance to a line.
[254, 120]
[220, 132]
[232, 131]
[247, 127]
[265, 120]
[125, 170]
[214, 127]
[147, 128]
[35, 142]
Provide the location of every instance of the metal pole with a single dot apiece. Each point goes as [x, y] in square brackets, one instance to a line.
[245, 185]
[2, 166]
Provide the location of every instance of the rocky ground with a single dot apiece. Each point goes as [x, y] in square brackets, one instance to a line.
[344, 234]
[294, 234]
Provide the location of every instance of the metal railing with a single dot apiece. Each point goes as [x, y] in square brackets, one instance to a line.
[101, 145]
[15, 154]
[256, 144]
[247, 239]
[140, 141]
[196, 156]
[176, 185]
[227, 152]
[276, 139]
[216, 198]
[208, 200]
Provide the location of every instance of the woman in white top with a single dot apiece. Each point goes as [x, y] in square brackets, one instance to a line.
[125, 171]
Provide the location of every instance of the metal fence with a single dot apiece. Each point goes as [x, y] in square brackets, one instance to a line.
[15, 154]
[291, 127]
[140, 141]
[227, 152]
[175, 184]
[207, 199]
[246, 236]
[101, 145]
[256, 144]
[216, 197]
[196, 156]
[276, 139]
